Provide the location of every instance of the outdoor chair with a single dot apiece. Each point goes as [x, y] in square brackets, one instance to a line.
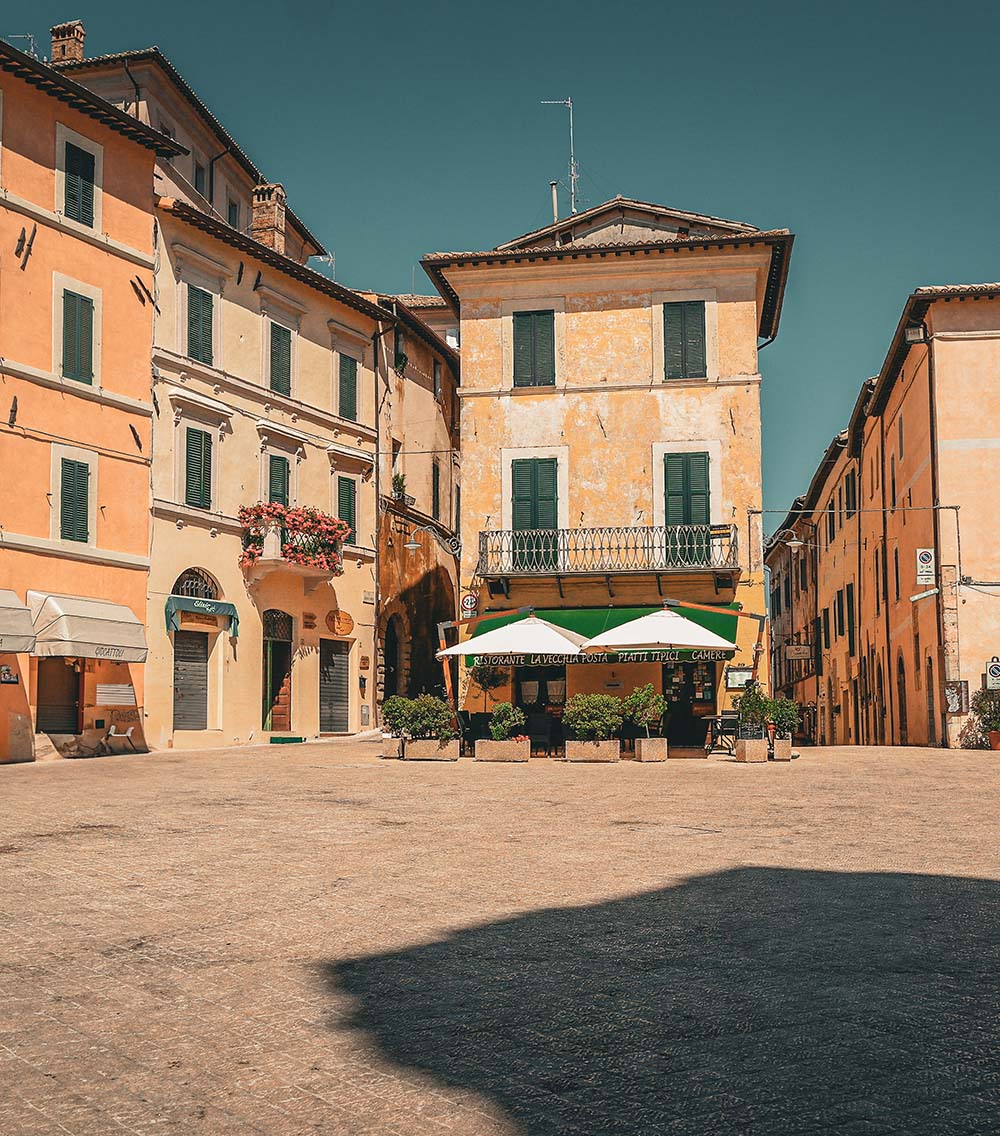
[725, 731]
[539, 727]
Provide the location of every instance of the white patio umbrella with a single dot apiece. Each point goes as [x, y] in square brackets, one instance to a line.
[663, 628]
[528, 636]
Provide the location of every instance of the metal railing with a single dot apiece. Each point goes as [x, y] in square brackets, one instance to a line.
[653, 548]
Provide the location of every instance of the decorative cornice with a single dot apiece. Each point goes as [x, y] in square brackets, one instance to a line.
[72, 550]
[661, 386]
[70, 386]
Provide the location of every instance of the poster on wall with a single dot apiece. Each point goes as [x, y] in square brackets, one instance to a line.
[956, 697]
[738, 677]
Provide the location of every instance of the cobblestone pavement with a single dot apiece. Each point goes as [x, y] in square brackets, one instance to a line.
[307, 939]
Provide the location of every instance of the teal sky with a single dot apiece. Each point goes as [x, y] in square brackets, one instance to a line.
[398, 129]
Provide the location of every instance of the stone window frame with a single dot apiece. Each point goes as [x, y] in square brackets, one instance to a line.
[710, 298]
[66, 134]
[348, 341]
[509, 454]
[200, 413]
[276, 308]
[194, 268]
[62, 283]
[90, 459]
[713, 447]
[555, 304]
[283, 442]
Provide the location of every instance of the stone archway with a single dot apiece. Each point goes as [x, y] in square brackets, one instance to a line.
[394, 616]
[904, 738]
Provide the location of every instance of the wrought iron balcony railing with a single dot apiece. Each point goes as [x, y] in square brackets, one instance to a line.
[600, 551]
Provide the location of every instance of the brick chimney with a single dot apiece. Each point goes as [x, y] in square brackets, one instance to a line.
[67, 41]
[267, 220]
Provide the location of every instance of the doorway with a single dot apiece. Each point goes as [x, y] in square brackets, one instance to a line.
[277, 671]
[390, 657]
[931, 726]
[334, 687]
[689, 689]
[904, 738]
[190, 680]
[58, 709]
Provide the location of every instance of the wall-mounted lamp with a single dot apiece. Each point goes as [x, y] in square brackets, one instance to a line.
[917, 334]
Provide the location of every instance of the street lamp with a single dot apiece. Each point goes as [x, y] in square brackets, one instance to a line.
[793, 540]
[412, 544]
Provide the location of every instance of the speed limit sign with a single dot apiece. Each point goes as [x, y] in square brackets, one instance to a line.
[993, 674]
[470, 601]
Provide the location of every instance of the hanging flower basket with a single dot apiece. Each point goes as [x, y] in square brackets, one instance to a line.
[308, 535]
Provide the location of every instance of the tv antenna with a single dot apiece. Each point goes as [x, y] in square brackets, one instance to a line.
[32, 47]
[574, 172]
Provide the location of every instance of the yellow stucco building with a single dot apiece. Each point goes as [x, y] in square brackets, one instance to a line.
[610, 435]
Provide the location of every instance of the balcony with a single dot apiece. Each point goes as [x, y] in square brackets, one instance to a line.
[282, 538]
[653, 549]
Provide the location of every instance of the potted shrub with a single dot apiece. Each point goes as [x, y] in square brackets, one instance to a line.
[506, 742]
[982, 730]
[784, 716]
[595, 720]
[430, 730]
[395, 715]
[753, 707]
[643, 708]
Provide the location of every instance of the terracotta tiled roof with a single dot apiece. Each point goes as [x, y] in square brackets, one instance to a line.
[155, 55]
[48, 79]
[412, 300]
[235, 239]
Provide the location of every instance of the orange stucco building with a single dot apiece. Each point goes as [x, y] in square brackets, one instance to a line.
[898, 523]
[76, 306]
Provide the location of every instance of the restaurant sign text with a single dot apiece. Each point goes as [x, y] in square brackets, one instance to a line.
[667, 656]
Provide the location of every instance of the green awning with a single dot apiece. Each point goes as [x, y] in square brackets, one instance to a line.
[591, 621]
[175, 604]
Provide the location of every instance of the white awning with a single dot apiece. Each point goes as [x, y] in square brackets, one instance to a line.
[664, 628]
[86, 628]
[528, 636]
[16, 633]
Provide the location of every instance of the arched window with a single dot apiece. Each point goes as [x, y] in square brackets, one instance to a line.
[196, 582]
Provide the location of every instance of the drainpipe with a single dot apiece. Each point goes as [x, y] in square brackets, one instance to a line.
[211, 174]
[135, 86]
[935, 513]
[890, 676]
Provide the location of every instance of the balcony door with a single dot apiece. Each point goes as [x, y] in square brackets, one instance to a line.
[687, 510]
[534, 513]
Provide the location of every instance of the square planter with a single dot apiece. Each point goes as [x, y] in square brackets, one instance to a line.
[593, 751]
[509, 750]
[392, 748]
[651, 749]
[430, 749]
[782, 748]
[751, 749]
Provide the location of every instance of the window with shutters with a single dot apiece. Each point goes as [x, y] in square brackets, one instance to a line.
[199, 324]
[895, 569]
[684, 351]
[198, 468]
[347, 506]
[199, 176]
[851, 493]
[851, 625]
[280, 359]
[278, 479]
[534, 349]
[534, 512]
[77, 337]
[687, 502]
[347, 392]
[435, 490]
[80, 169]
[838, 625]
[233, 212]
[74, 500]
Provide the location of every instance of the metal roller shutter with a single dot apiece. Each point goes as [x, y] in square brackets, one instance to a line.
[190, 680]
[334, 687]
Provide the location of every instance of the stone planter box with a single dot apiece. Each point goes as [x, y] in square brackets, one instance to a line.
[430, 749]
[489, 750]
[392, 748]
[651, 749]
[782, 748]
[751, 749]
[593, 751]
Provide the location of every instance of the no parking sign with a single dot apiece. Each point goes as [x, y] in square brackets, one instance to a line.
[993, 674]
[925, 565]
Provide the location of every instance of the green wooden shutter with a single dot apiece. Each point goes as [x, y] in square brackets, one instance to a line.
[851, 637]
[347, 506]
[281, 359]
[435, 491]
[198, 469]
[545, 349]
[78, 337]
[348, 396]
[78, 200]
[684, 354]
[74, 501]
[199, 323]
[694, 340]
[523, 326]
[546, 493]
[687, 489]
[277, 479]
[523, 515]
[673, 340]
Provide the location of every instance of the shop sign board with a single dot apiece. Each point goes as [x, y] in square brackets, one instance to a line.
[993, 674]
[956, 697]
[925, 566]
[669, 656]
[798, 651]
[738, 678]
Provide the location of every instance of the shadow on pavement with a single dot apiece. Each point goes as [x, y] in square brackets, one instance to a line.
[753, 1001]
